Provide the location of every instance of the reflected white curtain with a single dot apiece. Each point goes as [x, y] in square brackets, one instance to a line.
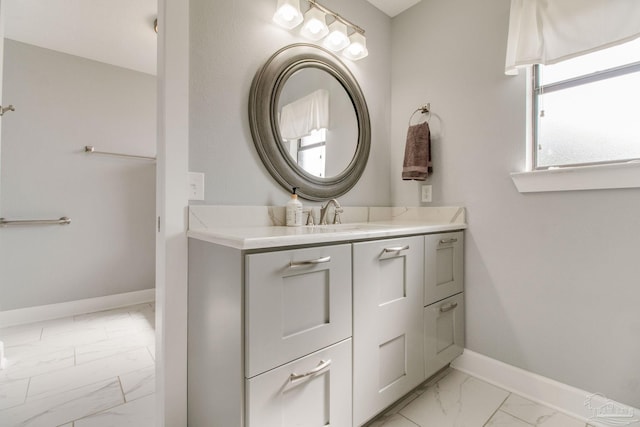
[550, 31]
[300, 117]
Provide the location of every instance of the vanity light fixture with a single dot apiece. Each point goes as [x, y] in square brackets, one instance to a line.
[335, 36]
[288, 14]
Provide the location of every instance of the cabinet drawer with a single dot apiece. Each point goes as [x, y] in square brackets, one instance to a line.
[296, 302]
[387, 327]
[321, 398]
[444, 333]
[444, 266]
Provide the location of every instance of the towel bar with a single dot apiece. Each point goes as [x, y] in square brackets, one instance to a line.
[60, 221]
[91, 149]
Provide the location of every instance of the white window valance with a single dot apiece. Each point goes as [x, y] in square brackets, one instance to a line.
[300, 117]
[550, 31]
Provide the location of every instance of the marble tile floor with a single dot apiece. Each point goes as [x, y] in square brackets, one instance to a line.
[98, 370]
[455, 399]
[91, 370]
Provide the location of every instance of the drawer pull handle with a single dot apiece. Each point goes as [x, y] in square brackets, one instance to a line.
[444, 309]
[309, 262]
[324, 364]
[445, 241]
[396, 249]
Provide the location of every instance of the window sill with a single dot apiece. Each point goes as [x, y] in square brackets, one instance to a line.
[599, 177]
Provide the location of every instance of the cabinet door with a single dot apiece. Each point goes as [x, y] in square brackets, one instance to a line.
[314, 391]
[387, 330]
[444, 333]
[444, 266]
[297, 302]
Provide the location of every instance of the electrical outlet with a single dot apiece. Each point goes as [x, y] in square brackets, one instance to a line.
[196, 186]
[426, 193]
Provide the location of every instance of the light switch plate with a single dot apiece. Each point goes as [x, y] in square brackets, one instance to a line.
[426, 193]
[196, 186]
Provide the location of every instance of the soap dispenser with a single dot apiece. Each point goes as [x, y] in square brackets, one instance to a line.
[294, 210]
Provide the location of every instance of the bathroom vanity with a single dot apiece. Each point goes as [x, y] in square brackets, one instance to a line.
[324, 325]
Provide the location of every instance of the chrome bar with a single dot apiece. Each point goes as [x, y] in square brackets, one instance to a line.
[445, 241]
[449, 307]
[310, 262]
[61, 221]
[314, 3]
[91, 149]
[324, 364]
[396, 249]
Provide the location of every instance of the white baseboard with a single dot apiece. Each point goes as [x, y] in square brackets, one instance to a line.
[586, 406]
[54, 311]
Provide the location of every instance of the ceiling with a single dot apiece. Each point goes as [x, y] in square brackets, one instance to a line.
[117, 32]
[393, 7]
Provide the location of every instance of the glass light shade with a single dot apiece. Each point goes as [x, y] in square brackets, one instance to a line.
[315, 24]
[337, 38]
[358, 47]
[288, 14]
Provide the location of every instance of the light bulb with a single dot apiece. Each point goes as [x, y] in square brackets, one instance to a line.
[315, 26]
[288, 14]
[358, 47]
[337, 38]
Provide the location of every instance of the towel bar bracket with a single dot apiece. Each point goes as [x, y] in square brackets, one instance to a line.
[424, 109]
[5, 109]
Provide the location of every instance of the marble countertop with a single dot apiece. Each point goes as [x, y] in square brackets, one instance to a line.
[248, 228]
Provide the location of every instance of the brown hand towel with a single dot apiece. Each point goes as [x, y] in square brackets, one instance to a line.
[417, 153]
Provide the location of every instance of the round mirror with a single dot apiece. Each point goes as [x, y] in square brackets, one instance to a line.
[310, 122]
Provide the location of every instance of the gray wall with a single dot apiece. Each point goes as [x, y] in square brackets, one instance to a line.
[552, 279]
[62, 104]
[229, 42]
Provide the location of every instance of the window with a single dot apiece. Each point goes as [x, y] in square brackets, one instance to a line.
[312, 152]
[309, 151]
[586, 110]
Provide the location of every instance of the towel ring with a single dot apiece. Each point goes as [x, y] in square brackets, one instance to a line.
[425, 109]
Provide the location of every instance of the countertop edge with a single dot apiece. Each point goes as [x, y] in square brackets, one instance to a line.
[226, 237]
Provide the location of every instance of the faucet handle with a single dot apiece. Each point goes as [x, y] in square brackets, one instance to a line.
[310, 217]
[336, 215]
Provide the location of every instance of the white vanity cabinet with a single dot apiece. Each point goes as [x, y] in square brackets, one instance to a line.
[269, 341]
[387, 323]
[329, 334]
[443, 299]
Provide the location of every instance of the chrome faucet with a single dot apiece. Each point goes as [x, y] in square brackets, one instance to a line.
[324, 210]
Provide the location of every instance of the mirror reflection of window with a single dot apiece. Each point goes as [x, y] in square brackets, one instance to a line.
[312, 152]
